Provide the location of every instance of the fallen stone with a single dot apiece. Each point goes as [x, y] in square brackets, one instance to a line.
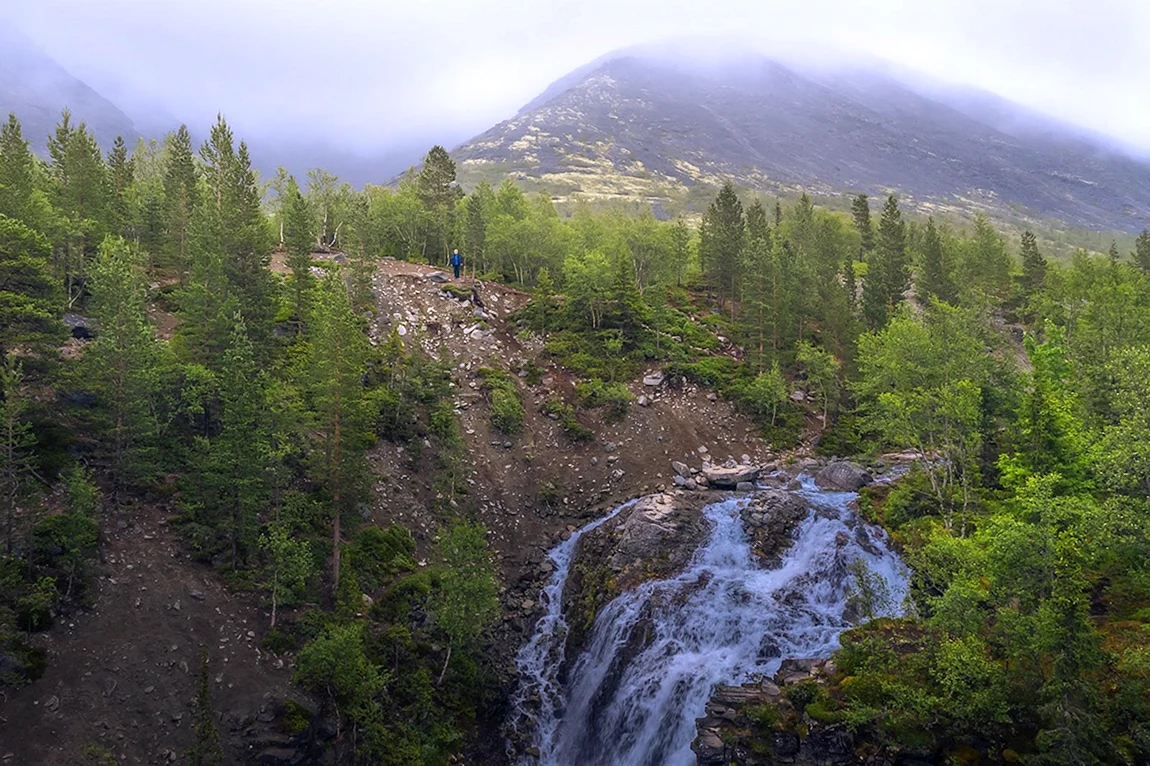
[438, 276]
[843, 475]
[654, 379]
[680, 468]
[729, 478]
[745, 486]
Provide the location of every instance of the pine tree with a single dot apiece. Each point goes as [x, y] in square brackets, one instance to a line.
[1033, 264]
[120, 363]
[860, 212]
[181, 196]
[1112, 253]
[338, 356]
[1141, 254]
[16, 442]
[250, 254]
[298, 238]
[30, 299]
[937, 280]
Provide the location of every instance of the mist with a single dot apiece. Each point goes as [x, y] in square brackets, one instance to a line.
[366, 87]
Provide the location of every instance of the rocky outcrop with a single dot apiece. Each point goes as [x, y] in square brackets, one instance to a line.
[770, 519]
[654, 538]
[844, 476]
[759, 725]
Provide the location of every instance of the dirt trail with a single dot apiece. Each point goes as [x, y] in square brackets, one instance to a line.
[122, 676]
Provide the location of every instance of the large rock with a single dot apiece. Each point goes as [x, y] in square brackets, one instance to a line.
[653, 538]
[729, 478]
[654, 379]
[770, 520]
[82, 327]
[844, 476]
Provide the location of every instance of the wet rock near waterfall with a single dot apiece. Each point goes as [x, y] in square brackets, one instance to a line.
[654, 538]
[729, 477]
[844, 476]
[770, 519]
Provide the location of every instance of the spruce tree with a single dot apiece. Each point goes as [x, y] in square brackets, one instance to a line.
[81, 192]
[860, 212]
[181, 196]
[122, 171]
[30, 298]
[238, 463]
[120, 364]
[937, 280]
[478, 203]
[1112, 253]
[1141, 254]
[888, 268]
[208, 750]
[721, 243]
[16, 443]
[297, 227]
[17, 173]
[1033, 264]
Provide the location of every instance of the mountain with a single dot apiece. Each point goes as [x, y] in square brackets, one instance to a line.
[37, 88]
[638, 124]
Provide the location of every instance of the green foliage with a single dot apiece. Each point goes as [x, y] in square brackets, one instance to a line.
[207, 750]
[614, 398]
[506, 405]
[565, 414]
[468, 600]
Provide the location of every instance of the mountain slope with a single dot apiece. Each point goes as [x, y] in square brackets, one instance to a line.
[636, 125]
[37, 88]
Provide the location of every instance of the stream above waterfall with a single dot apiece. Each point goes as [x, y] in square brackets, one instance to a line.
[655, 653]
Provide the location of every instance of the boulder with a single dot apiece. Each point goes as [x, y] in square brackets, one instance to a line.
[654, 379]
[439, 277]
[82, 327]
[681, 469]
[745, 486]
[729, 478]
[844, 476]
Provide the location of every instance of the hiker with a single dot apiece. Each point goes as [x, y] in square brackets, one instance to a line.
[456, 262]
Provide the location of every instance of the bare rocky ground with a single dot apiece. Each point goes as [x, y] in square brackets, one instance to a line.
[122, 675]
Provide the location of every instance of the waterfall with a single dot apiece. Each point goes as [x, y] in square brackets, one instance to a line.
[656, 653]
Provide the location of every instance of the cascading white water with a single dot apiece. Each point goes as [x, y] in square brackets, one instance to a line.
[655, 654]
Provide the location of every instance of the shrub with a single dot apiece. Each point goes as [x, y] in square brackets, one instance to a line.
[565, 414]
[615, 398]
[506, 407]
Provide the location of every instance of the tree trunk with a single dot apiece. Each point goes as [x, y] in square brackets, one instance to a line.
[443, 672]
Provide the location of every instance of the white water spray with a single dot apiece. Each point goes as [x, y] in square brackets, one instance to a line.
[656, 653]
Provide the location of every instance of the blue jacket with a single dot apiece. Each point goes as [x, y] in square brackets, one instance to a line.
[456, 259]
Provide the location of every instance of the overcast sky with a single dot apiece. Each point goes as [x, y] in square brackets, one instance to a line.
[373, 73]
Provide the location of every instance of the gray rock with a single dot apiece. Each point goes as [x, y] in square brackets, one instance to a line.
[798, 396]
[729, 478]
[643, 401]
[680, 468]
[82, 327]
[844, 476]
[654, 379]
[679, 481]
[438, 276]
[745, 486]
[610, 447]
